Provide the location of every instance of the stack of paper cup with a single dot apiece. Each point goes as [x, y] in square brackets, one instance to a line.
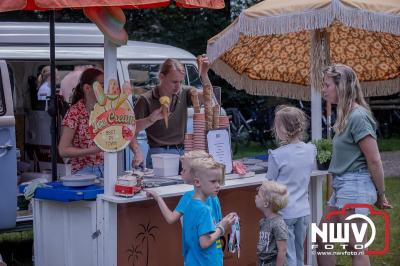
[199, 132]
[216, 112]
[223, 121]
[188, 142]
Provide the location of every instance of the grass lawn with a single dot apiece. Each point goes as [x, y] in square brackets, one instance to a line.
[16, 248]
[250, 150]
[392, 144]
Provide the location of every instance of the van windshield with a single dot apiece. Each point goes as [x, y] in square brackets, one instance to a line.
[144, 77]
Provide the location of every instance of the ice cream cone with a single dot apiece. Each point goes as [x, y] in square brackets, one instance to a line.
[165, 115]
[165, 101]
[122, 99]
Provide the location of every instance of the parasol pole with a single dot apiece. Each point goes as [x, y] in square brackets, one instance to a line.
[319, 58]
[109, 256]
[328, 120]
[327, 61]
[316, 56]
[53, 98]
[110, 158]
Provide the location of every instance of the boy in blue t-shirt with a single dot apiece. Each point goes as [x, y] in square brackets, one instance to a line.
[199, 230]
[213, 201]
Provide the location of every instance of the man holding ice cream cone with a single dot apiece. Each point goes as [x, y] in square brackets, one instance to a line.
[167, 135]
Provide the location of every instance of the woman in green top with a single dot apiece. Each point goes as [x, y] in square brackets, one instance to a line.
[356, 165]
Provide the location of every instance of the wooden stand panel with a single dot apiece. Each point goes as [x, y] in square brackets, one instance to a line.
[145, 239]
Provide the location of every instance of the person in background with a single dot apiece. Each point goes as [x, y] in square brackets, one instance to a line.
[75, 141]
[291, 165]
[44, 86]
[212, 201]
[160, 138]
[356, 165]
[70, 81]
[273, 233]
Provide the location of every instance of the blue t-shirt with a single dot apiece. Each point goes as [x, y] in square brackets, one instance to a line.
[197, 222]
[213, 203]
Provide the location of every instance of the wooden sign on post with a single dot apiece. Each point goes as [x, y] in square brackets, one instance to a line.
[112, 122]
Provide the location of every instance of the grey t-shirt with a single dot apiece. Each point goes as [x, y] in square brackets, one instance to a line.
[292, 165]
[271, 230]
[347, 155]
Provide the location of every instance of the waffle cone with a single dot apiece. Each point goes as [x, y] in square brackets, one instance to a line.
[165, 115]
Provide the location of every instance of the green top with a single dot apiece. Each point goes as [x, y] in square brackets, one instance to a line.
[347, 155]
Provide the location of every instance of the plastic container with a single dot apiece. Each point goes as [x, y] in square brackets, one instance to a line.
[78, 180]
[29, 176]
[165, 164]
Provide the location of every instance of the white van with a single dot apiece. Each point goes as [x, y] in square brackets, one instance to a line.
[24, 126]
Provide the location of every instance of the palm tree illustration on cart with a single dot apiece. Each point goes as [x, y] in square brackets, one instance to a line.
[134, 253]
[145, 235]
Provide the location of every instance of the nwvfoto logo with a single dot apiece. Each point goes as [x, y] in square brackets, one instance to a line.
[333, 233]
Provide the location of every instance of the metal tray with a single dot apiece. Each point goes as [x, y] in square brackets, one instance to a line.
[149, 182]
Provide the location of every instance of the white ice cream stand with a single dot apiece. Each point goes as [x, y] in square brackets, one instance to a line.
[106, 230]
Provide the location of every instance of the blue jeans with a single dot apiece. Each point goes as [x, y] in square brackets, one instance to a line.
[96, 170]
[353, 187]
[158, 150]
[297, 230]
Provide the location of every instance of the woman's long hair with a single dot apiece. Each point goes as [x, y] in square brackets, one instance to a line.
[348, 91]
[87, 77]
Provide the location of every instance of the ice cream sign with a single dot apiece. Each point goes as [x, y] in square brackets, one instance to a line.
[112, 121]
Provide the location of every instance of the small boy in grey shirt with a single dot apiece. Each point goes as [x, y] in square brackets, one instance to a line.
[273, 233]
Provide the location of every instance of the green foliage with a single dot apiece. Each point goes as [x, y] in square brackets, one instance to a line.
[182, 27]
[16, 236]
[237, 6]
[252, 149]
[324, 150]
[391, 144]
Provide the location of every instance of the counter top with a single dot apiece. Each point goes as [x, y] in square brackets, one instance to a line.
[177, 190]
